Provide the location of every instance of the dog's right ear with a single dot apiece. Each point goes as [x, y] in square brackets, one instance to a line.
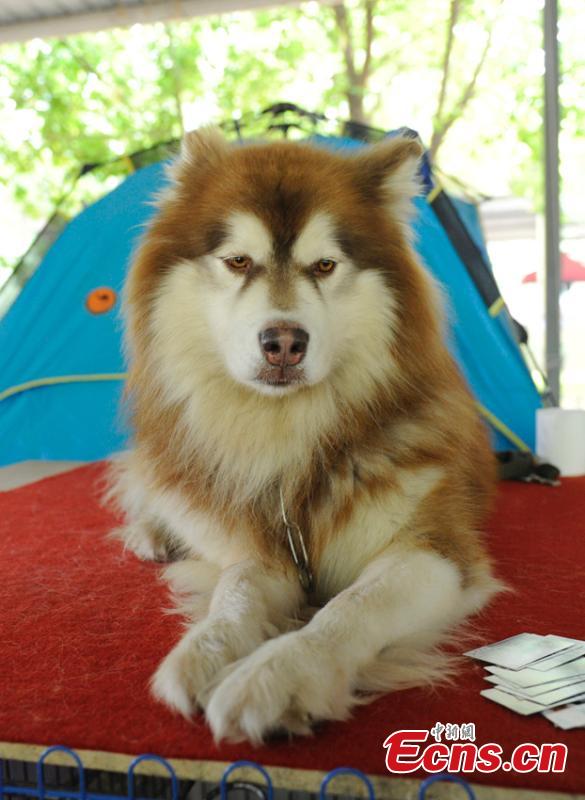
[201, 150]
[203, 147]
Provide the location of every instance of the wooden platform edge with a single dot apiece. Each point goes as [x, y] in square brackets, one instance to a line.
[304, 780]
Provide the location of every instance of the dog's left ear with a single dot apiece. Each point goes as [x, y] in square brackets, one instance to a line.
[388, 173]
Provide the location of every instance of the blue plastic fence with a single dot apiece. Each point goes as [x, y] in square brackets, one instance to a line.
[42, 792]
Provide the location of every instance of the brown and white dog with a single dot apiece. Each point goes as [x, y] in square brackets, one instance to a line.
[287, 362]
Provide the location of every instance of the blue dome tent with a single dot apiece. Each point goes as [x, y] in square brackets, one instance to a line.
[61, 362]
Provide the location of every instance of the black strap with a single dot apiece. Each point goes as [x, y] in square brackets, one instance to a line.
[521, 466]
[466, 248]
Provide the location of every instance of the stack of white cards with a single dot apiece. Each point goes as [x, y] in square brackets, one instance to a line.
[534, 674]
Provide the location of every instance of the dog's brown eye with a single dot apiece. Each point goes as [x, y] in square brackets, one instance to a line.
[325, 265]
[238, 263]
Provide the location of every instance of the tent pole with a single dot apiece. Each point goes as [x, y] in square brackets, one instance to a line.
[552, 199]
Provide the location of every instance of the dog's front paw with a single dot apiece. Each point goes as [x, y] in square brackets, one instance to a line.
[284, 686]
[184, 677]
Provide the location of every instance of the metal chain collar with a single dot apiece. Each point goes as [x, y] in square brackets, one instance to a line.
[296, 543]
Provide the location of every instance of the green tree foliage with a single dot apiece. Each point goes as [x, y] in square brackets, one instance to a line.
[466, 73]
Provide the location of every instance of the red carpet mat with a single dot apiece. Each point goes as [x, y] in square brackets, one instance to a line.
[83, 628]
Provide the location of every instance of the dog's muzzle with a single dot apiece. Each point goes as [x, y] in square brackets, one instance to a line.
[284, 346]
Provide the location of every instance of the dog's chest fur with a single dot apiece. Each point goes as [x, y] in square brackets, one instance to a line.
[349, 503]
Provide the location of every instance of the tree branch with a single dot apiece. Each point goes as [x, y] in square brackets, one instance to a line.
[355, 85]
[176, 77]
[342, 20]
[455, 9]
[442, 123]
[443, 126]
[91, 70]
[370, 7]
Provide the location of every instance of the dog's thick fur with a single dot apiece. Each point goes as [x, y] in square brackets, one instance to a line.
[376, 447]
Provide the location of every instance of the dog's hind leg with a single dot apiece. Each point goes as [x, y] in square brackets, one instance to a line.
[248, 605]
[129, 492]
[149, 540]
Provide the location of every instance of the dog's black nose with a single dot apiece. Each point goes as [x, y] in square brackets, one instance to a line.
[283, 344]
